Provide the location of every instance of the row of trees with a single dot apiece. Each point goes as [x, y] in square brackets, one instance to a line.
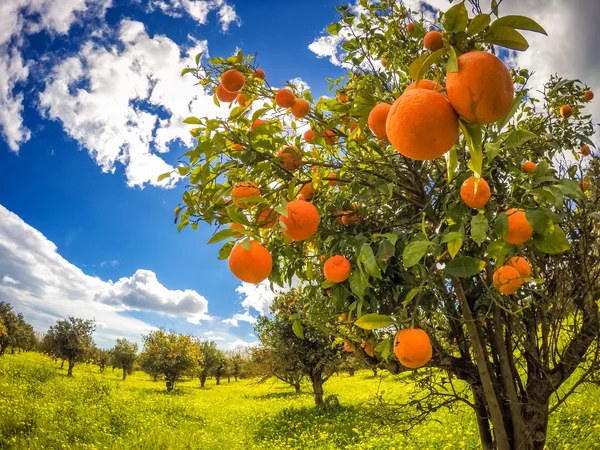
[14, 331]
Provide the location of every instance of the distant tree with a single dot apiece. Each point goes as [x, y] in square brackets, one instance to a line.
[221, 367]
[24, 337]
[124, 355]
[169, 354]
[235, 363]
[9, 326]
[102, 359]
[211, 361]
[71, 340]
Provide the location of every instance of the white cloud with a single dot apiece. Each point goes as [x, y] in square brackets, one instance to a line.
[48, 287]
[111, 263]
[257, 296]
[240, 344]
[198, 10]
[103, 97]
[245, 317]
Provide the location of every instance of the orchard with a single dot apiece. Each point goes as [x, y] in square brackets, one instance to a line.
[433, 207]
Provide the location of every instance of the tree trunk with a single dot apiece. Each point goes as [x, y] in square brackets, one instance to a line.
[62, 364]
[170, 385]
[70, 371]
[317, 383]
[374, 369]
[155, 377]
[124, 374]
[12, 350]
[297, 386]
[218, 380]
[351, 372]
[483, 421]
[228, 379]
[235, 377]
[535, 417]
[3, 349]
[202, 380]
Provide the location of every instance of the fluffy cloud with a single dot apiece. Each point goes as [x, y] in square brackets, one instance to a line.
[256, 296]
[107, 99]
[45, 287]
[245, 317]
[198, 10]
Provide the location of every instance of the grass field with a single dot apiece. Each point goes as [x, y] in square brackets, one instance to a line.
[40, 408]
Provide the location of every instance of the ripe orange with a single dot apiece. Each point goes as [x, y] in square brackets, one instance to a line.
[377, 119]
[242, 100]
[413, 348]
[307, 192]
[529, 167]
[232, 80]
[472, 199]
[309, 136]
[348, 347]
[302, 220]
[368, 348]
[519, 230]
[237, 147]
[566, 111]
[300, 108]
[521, 264]
[257, 123]
[422, 124]
[337, 269]
[225, 96]
[330, 137]
[292, 158]
[243, 190]
[251, 266]
[332, 182]
[383, 62]
[342, 98]
[588, 95]
[482, 90]
[285, 98]
[585, 150]
[259, 73]
[353, 126]
[507, 280]
[410, 27]
[237, 226]
[585, 185]
[350, 218]
[424, 84]
[267, 218]
[433, 41]
[345, 317]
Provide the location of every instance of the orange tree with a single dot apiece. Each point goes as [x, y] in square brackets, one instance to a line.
[430, 192]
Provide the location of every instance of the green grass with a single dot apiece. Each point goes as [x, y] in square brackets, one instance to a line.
[40, 408]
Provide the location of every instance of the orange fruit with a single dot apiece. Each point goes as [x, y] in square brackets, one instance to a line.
[251, 266]
[337, 269]
[410, 27]
[292, 158]
[507, 280]
[243, 190]
[285, 98]
[237, 226]
[344, 316]
[267, 218]
[383, 62]
[585, 150]
[225, 96]
[529, 167]
[309, 136]
[259, 73]
[342, 98]
[300, 108]
[330, 137]
[348, 347]
[332, 182]
[424, 84]
[368, 348]
[353, 126]
[519, 230]
[433, 41]
[307, 192]
[482, 90]
[472, 199]
[422, 124]
[521, 264]
[237, 147]
[232, 80]
[588, 95]
[585, 185]
[302, 220]
[242, 100]
[257, 123]
[413, 348]
[566, 111]
[377, 119]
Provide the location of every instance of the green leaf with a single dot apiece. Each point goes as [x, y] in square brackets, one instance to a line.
[479, 228]
[415, 66]
[411, 294]
[455, 245]
[368, 261]
[282, 209]
[414, 252]
[452, 64]
[501, 225]
[465, 266]
[540, 221]
[516, 102]
[456, 18]
[226, 250]
[359, 283]
[237, 216]
[451, 163]
[222, 235]
[570, 188]
[246, 245]
[297, 328]
[237, 112]
[520, 23]
[193, 121]
[385, 348]
[334, 28]
[474, 136]
[492, 149]
[187, 70]
[453, 235]
[373, 321]
[327, 284]
[183, 170]
[197, 59]
[429, 61]
[519, 137]
[595, 215]
[478, 24]
[162, 176]
[385, 252]
[506, 37]
[553, 243]
[498, 251]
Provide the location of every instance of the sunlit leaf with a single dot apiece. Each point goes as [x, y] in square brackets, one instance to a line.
[373, 321]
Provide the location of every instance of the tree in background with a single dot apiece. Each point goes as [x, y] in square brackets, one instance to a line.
[432, 195]
[102, 358]
[71, 340]
[124, 355]
[15, 332]
[211, 363]
[169, 354]
[236, 362]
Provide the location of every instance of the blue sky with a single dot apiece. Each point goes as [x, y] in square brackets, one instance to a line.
[85, 229]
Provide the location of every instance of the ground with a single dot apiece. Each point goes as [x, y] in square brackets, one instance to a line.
[40, 408]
